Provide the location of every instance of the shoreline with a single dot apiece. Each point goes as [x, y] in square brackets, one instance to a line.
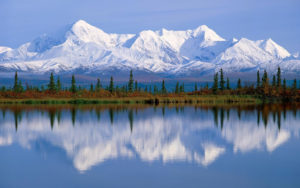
[203, 99]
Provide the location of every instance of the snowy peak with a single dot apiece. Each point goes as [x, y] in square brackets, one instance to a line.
[81, 46]
[207, 34]
[273, 48]
[4, 49]
[244, 53]
[81, 24]
[88, 33]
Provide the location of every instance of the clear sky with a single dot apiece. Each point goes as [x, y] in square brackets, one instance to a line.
[23, 20]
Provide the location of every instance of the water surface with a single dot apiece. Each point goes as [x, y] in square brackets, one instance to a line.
[148, 146]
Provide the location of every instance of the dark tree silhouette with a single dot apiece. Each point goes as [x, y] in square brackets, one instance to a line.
[130, 83]
[73, 88]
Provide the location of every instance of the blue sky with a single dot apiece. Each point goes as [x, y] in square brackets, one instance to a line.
[23, 20]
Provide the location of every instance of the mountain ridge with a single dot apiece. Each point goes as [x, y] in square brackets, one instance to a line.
[88, 49]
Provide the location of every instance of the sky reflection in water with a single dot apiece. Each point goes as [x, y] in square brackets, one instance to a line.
[91, 135]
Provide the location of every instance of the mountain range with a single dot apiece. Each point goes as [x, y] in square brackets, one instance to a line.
[85, 49]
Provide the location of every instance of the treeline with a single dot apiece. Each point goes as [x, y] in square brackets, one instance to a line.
[276, 113]
[277, 88]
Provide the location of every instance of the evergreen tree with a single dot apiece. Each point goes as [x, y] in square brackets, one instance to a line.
[215, 85]
[92, 88]
[228, 84]
[274, 81]
[196, 87]
[51, 85]
[20, 86]
[206, 86]
[146, 89]
[163, 87]
[155, 90]
[3, 88]
[257, 79]
[181, 88]
[150, 89]
[111, 85]
[136, 86]
[265, 80]
[284, 85]
[17, 84]
[58, 84]
[239, 84]
[222, 81]
[294, 87]
[98, 85]
[278, 77]
[130, 83]
[73, 88]
[177, 88]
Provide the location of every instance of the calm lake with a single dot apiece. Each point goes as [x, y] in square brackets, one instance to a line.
[148, 146]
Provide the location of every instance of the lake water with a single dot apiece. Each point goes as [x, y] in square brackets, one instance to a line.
[147, 146]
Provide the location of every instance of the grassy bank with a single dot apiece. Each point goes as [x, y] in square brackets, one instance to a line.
[209, 99]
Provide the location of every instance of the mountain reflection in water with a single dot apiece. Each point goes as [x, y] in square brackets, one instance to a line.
[90, 135]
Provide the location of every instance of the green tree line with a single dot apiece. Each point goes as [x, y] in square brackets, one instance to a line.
[264, 88]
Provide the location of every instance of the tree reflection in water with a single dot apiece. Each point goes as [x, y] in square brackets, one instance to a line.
[190, 133]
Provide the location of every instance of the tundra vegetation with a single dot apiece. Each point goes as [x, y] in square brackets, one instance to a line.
[263, 91]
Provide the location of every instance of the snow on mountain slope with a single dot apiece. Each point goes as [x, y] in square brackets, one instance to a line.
[88, 48]
[273, 48]
[245, 55]
[4, 49]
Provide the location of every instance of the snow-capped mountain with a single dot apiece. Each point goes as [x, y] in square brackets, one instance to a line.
[87, 49]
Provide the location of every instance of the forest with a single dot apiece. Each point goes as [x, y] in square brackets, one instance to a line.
[266, 89]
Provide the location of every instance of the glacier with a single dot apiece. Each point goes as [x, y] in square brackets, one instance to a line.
[86, 49]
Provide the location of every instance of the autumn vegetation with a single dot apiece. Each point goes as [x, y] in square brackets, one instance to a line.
[266, 89]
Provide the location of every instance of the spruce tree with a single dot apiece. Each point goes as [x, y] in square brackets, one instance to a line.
[222, 81]
[98, 85]
[239, 84]
[163, 87]
[92, 88]
[181, 88]
[215, 85]
[228, 84]
[3, 88]
[155, 90]
[136, 86]
[265, 80]
[51, 85]
[130, 83]
[58, 84]
[257, 80]
[278, 77]
[73, 88]
[196, 87]
[284, 85]
[20, 86]
[294, 87]
[111, 85]
[274, 81]
[177, 88]
[17, 86]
